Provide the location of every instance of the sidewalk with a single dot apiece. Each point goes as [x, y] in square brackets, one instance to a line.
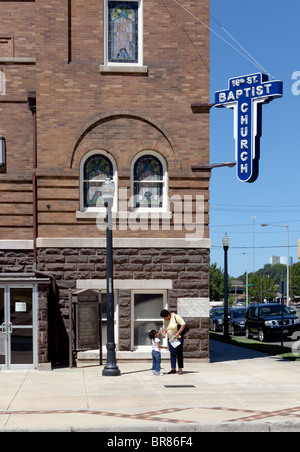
[240, 390]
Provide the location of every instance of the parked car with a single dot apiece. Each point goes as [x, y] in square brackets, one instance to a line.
[266, 321]
[236, 320]
[216, 319]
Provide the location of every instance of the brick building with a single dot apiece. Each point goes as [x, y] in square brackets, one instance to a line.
[90, 90]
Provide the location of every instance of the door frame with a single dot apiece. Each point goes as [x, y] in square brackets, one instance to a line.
[164, 293]
[7, 287]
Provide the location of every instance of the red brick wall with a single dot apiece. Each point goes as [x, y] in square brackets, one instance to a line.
[17, 24]
[80, 109]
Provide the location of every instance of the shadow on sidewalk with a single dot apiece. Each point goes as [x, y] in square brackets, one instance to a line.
[220, 352]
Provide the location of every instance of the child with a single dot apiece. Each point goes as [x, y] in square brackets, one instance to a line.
[156, 356]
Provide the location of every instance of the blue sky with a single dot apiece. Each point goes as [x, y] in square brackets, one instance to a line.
[270, 32]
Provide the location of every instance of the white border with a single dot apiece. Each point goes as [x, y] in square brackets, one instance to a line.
[126, 284]
[134, 242]
[79, 242]
[16, 244]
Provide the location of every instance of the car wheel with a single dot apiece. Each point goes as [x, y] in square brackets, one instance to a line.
[262, 337]
[247, 333]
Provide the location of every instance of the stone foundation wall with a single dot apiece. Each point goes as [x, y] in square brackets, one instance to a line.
[16, 261]
[187, 268]
[43, 333]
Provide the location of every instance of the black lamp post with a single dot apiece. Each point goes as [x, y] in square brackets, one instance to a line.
[225, 247]
[111, 368]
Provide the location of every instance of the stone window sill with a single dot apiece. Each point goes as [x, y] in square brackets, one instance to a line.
[13, 60]
[123, 69]
[121, 215]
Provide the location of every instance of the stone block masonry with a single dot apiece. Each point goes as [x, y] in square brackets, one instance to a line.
[187, 269]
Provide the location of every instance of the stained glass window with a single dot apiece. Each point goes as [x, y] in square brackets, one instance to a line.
[122, 32]
[96, 170]
[148, 182]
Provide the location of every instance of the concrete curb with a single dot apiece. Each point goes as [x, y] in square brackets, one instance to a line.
[180, 429]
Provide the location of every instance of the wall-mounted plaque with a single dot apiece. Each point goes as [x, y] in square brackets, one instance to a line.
[193, 307]
[87, 326]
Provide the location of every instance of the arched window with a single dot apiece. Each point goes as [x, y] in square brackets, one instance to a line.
[149, 187]
[96, 167]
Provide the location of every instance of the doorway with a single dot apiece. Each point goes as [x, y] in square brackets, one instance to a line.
[146, 308]
[18, 327]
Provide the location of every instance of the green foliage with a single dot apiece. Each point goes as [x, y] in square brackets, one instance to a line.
[263, 287]
[276, 272]
[295, 276]
[263, 284]
[216, 283]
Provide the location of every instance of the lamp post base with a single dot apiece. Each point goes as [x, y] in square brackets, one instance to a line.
[111, 368]
[111, 371]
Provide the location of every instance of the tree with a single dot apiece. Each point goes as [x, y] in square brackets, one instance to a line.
[276, 272]
[261, 287]
[296, 279]
[216, 283]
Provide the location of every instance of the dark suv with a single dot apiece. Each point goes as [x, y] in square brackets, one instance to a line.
[265, 320]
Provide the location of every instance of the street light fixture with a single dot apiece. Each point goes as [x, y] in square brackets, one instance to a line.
[111, 368]
[288, 259]
[209, 167]
[226, 242]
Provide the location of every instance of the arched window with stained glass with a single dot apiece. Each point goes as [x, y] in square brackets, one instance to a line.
[97, 168]
[149, 182]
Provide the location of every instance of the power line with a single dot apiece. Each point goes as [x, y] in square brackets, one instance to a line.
[238, 225]
[255, 247]
[256, 206]
[252, 58]
[247, 57]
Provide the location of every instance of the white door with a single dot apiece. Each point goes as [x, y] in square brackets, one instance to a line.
[18, 327]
